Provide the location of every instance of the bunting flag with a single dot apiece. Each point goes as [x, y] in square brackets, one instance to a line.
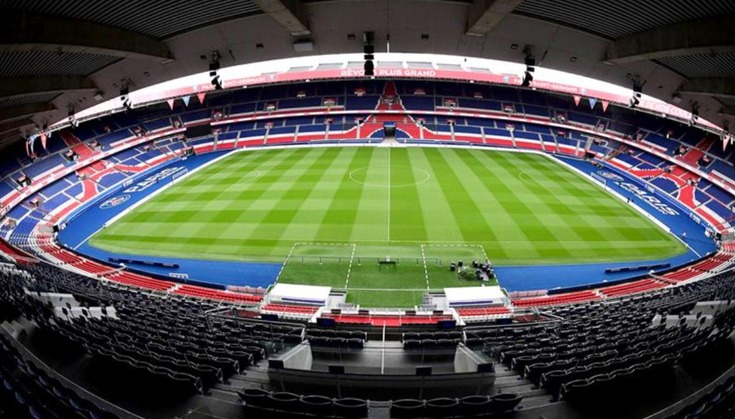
[577, 98]
[593, 102]
[29, 145]
[186, 100]
[604, 104]
[43, 139]
[201, 96]
[171, 103]
[725, 141]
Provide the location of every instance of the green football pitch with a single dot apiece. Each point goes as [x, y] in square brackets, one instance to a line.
[331, 214]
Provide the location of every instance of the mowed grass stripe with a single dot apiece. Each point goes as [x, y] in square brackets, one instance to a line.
[538, 197]
[517, 201]
[196, 228]
[440, 223]
[310, 170]
[476, 172]
[535, 197]
[406, 220]
[521, 208]
[604, 230]
[372, 218]
[591, 243]
[310, 214]
[464, 208]
[563, 202]
[341, 214]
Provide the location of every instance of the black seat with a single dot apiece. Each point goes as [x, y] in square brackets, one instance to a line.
[254, 396]
[553, 380]
[407, 408]
[185, 383]
[576, 390]
[504, 402]
[350, 408]
[443, 407]
[284, 401]
[473, 405]
[317, 406]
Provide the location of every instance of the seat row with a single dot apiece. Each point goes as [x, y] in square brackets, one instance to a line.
[453, 334]
[264, 403]
[587, 389]
[476, 406]
[430, 344]
[341, 343]
[330, 333]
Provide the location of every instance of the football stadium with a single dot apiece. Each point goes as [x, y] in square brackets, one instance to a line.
[362, 209]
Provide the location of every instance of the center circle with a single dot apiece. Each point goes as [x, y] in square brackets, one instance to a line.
[396, 176]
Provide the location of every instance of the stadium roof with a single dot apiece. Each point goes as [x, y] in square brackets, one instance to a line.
[62, 53]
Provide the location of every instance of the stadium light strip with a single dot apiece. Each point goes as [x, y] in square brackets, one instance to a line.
[392, 66]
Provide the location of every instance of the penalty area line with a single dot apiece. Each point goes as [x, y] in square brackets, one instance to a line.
[426, 268]
[290, 252]
[349, 265]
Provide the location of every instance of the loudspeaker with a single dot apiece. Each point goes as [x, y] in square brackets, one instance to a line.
[369, 68]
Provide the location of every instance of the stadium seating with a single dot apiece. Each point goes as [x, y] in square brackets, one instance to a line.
[632, 287]
[120, 133]
[616, 344]
[386, 319]
[604, 341]
[235, 297]
[566, 298]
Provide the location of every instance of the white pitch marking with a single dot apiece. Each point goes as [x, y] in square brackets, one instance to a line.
[349, 266]
[426, 268]
[290, 252]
